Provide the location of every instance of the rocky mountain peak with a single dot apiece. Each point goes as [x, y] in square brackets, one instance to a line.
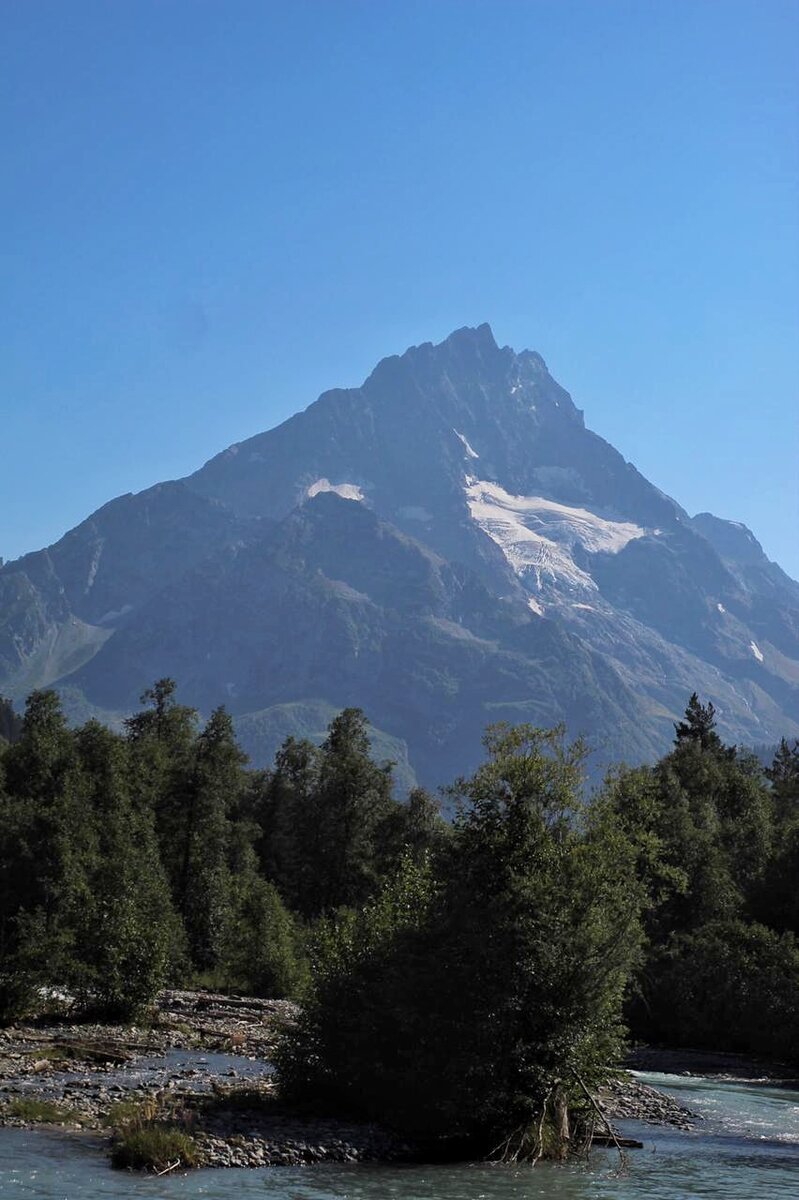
[445, 545]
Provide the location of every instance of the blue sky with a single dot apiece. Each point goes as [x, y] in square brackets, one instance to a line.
[211, 212]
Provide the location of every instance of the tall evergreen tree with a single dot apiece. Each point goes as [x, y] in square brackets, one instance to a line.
[47, 824]
[45, 840]
[322, 814]
[125, 930]
[285, 806]
[784, 776]
[354, 797]
[699, 726]
[204, 883]
[162, 740]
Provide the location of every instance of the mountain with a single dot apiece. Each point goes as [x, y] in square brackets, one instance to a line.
[445, 546]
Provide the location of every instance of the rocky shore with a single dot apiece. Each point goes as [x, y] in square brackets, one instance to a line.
[201, 1063]
[627, 1099]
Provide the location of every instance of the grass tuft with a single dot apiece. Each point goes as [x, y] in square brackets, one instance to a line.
[44, 1112]
[126, 1115]
[146, 1139]
[154, 1148]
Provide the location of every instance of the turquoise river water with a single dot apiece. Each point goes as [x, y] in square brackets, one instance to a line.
[746, 1148]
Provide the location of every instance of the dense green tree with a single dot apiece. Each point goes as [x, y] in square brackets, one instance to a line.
[285, 806]
[784, 776]
[415, 827]
[354, 797]
[699, 726]
[702, 819]
[323, 813]
[125, 930]
[45, 840]
[713, 856]
[204, 883]
[467, 978]
[263, 953]
[38, 763]
[162, 738]
[729, 986]
[477, 1001]
[776, 902]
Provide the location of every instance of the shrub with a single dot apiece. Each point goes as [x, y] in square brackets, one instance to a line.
[44, 1112]
[142, 1142]
[154, 1148]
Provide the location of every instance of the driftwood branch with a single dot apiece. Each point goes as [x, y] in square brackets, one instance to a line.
[169, 1168]
[540, 1149]
[605, 1121]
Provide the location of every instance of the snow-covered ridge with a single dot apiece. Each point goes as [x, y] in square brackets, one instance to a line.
[347, 491]
[537, 536]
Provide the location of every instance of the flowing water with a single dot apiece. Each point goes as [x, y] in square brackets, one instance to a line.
[747, 1148]
[193, 1068]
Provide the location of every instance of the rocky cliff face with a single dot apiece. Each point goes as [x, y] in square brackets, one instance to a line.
[446, 546]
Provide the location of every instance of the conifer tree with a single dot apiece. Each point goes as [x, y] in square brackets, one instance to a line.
[354, 797]
[784, 776]
[204, 883]
[699, 726]
[47, 821]
[162, 741]
[124, 931]
[286, 811]
[45, 839]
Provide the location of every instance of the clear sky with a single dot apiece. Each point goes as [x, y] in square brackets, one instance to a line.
[212, 211]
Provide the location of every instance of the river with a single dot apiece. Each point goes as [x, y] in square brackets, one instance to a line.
[746, 1148]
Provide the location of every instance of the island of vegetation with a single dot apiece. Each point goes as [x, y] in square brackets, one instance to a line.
[438, 989]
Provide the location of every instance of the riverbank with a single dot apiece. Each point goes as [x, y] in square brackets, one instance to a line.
[628, 1099]
[201, 1062]
[747, 1146]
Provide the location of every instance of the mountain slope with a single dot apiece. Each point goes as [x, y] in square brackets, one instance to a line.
[445, 546]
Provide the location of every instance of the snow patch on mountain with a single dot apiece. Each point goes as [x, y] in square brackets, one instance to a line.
[93, 565]
[469, 450]
[758, 653]
[538, 536]
[347, 491]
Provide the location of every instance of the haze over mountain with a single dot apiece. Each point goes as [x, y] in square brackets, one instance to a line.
[445, 546]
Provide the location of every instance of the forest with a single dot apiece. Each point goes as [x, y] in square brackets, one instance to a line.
[469, 979]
